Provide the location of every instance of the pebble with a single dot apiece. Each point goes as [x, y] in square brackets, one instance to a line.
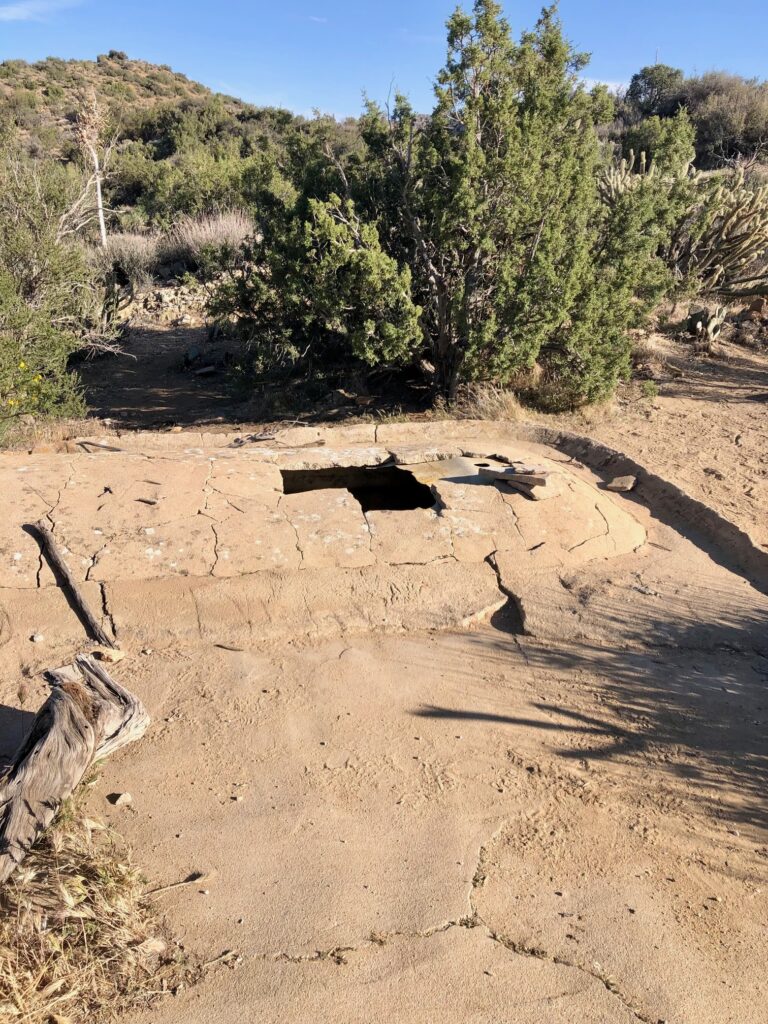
[122, 800]
[37, 638]
[621, 483]
[109, 654]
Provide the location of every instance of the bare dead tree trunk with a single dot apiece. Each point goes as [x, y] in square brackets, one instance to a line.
[87, 716]
[64, 576]
[91, 130]
[98, 175]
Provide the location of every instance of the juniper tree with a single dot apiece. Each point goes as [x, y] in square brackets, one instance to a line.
[497, 193]
[472, 241]
[321, 287]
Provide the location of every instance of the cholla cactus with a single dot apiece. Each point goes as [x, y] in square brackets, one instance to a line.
[707, 324]
[621, 176]
[723, 237]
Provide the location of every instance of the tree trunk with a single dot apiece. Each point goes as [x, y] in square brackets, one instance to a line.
[87, 716]
[99, 197]
[65, 579]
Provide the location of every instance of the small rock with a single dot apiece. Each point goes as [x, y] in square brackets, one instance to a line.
[622, 484]
[151, 947]
[37, 638]
[120, 799]
[146, 650]
[110, 654]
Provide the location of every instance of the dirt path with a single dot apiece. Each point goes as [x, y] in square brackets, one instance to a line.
[150, 386]
[707, 431]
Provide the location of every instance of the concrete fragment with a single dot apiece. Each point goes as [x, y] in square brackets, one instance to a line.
[621, 483]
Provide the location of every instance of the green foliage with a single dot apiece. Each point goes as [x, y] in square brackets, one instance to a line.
[321, 289]
[654, 90]
[474, 240]
[46, 289]
[668, 143]
[514, 260]
[729, 113]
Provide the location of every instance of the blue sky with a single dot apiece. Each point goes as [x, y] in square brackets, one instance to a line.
[304, 54]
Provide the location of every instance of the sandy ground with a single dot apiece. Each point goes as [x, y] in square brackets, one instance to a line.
[707, 430]
[501, 762]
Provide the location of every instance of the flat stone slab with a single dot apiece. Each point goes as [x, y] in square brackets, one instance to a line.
[330, 527]
[221, 511]
[413, 536]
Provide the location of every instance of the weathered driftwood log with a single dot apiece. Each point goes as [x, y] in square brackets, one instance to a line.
[87, 716]
[64, 576]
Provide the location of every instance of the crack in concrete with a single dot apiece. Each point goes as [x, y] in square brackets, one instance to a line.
[215, 550]
[296, 532]
[597, 536]
[336, 953]
[608, 532]
[369, 528]
[526, 949]
[95, 560]
[474, 919]
[105, 610]
[596, 972]
[493, 563]
[206, 489]
[49, 516]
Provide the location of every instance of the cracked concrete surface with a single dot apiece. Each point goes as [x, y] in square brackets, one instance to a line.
[411, 810]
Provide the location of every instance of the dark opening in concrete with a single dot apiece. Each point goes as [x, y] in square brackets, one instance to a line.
[375, 487]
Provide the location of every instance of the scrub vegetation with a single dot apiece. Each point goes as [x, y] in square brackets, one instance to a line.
[512, 237]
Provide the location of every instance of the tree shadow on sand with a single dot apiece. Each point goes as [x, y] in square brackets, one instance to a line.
[696, 708]
[157, 380]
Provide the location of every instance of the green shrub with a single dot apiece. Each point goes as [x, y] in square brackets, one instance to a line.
[729, 113]
[481, 224]
[321, 290]
[668, 143]
[49, 301]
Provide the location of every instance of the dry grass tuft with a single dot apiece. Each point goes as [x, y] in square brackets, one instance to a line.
[78, 940]
[135, 254]
[486, 402]
[191, 237]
